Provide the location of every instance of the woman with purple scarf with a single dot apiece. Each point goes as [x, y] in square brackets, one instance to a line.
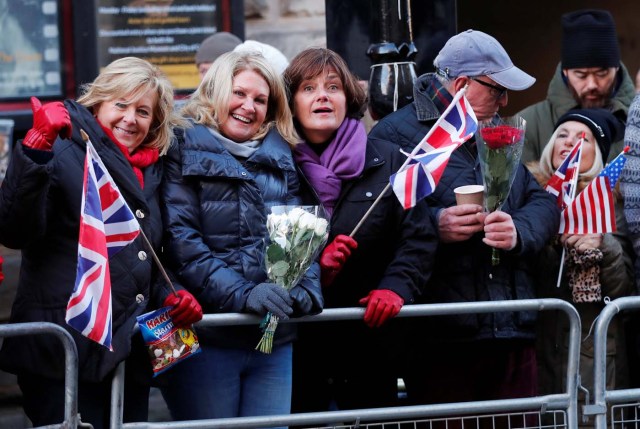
[383, 266]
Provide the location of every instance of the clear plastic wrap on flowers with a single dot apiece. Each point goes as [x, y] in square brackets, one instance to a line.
[499, 150]
[297, 234]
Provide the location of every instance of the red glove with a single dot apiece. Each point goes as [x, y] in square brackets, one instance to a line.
[334, 256]
[1, 272]
[382, 304]
[186, 309]
[48, 121]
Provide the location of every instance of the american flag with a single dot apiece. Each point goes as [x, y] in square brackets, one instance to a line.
[613, 170]
[419, 176]
[564, 180]
[107, 225]
[592, 211]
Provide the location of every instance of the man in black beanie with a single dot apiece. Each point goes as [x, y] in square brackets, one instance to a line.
[590, 74]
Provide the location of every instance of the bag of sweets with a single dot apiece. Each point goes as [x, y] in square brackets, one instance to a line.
[167, 343]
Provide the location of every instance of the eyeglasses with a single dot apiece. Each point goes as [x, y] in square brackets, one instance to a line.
[496, 91]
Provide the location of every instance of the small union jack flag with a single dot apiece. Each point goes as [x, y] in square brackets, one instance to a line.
[564, 180]
[420, 175]
[107, 225]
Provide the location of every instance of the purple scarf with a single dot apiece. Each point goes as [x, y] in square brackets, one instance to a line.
[343, 159]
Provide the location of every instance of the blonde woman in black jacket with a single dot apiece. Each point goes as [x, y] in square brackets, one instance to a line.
[127, 113]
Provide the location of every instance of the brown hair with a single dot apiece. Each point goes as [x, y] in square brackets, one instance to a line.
[314, 61]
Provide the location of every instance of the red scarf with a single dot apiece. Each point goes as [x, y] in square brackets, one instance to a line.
[141, 158]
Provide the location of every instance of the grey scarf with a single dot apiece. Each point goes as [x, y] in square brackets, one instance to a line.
[238, 150]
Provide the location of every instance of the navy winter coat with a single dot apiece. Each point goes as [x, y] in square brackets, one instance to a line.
[215, 211]
[396, 247]
[40, 214]
[463, 270]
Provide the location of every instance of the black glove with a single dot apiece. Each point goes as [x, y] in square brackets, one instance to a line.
[269, 297]
[302, 303]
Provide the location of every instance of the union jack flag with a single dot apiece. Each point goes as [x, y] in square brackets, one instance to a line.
[107, 225]
[564, 180]
[592, 211]
[419, 176]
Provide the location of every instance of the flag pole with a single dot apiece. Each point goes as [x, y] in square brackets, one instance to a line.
[574, 186]
[451, 105]
[85, 138]
[157, 260]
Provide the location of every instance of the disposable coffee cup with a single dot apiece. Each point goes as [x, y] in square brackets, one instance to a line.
[469, 194]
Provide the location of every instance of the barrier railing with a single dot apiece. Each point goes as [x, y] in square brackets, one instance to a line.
[545, 408]
[626, 412]
[70, 360]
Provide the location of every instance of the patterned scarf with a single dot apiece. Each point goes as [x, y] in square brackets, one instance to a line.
[630, 179]
[343, 159]
[438, 95]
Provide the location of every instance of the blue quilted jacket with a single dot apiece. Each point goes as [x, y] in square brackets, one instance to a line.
[215, 210]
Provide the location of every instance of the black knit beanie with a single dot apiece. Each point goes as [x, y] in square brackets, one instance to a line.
[589, 39]
[604, 125]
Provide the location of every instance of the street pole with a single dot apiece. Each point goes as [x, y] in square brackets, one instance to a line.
[392, 52]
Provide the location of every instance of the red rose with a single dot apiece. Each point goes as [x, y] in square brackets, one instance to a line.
[500, 136]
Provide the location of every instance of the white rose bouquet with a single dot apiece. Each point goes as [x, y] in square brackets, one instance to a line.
[296, 236]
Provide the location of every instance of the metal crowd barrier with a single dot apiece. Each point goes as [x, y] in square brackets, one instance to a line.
[549, 411]
[623, 405]
[71, 419]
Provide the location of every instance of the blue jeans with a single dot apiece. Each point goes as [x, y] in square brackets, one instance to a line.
[219, 383]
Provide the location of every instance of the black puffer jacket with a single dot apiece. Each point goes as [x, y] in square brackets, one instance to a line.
[396, 247]
[396, 250]
[40, 214]
[463, 270]
[215, 210]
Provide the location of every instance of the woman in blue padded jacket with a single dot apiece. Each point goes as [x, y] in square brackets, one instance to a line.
[221, 178]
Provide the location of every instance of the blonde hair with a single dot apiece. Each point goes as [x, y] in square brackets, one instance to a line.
[130, 79]
[546, 169]
[209, 104]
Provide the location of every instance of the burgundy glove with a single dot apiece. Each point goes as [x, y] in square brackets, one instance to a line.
[1, 272]
[382, 304]
[186, 309]
[334, 256]
[48, 121]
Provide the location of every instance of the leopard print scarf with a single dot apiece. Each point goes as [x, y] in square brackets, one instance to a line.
[583, 270]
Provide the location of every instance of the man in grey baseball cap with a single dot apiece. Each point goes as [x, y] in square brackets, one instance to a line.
[473, 357]
[474, 53]
[469, 58]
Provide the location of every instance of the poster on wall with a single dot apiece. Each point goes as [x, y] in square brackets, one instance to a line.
[29, 49]
[167, 33]
[6, 143]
